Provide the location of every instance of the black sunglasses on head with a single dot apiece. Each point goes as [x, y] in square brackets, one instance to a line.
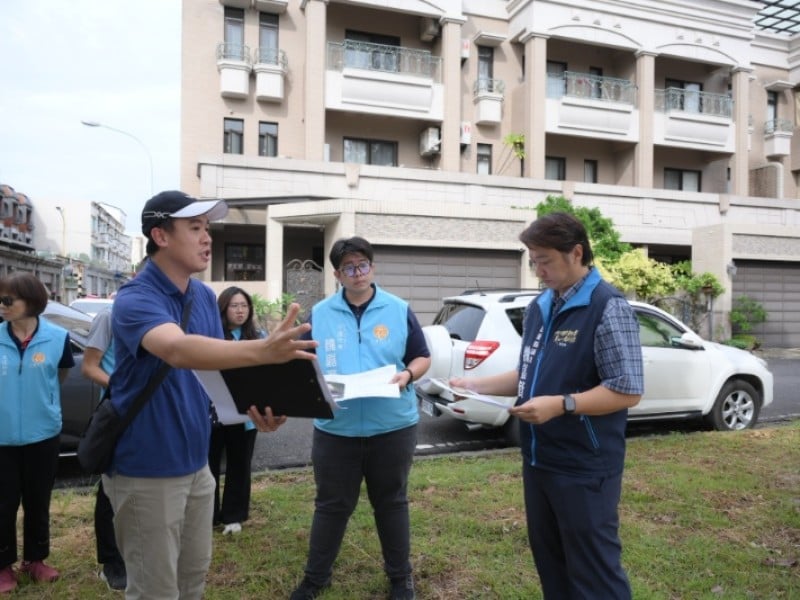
[7, 300]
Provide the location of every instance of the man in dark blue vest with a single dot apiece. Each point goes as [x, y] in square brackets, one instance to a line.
[579, 370]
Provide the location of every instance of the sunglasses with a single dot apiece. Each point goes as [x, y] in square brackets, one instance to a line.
[7, 300]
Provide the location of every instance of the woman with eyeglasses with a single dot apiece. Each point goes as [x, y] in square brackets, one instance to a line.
[236, 441]
[35, 358]
[359, 328]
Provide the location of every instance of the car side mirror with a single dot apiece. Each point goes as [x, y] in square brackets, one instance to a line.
[689, 341]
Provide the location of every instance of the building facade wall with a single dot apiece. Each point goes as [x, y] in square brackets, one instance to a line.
[710, 130]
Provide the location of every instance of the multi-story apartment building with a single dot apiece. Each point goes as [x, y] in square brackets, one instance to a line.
[434, 128]
[76, 248]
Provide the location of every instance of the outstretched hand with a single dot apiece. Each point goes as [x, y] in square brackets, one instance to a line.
[283, 344]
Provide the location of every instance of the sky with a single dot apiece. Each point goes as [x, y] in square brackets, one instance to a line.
[115, 62]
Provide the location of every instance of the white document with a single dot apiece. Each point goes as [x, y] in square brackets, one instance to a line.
[364, 384]
[467, 394]
[215, 387]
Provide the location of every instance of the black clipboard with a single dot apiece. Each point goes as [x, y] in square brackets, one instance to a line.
[295, 389]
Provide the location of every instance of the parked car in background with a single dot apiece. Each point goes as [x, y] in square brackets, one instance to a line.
[79, 396]
[685, 377]
[91, 306]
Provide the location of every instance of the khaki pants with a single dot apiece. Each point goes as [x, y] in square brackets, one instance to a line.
[163, 529]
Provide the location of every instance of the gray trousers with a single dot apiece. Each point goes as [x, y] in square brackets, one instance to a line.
[163, 529]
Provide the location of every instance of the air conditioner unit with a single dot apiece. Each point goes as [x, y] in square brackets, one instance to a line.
[429, 141]
[428, 29]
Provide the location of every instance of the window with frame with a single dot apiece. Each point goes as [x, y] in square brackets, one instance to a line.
[556, 82]
[590, 171]
[245, 262]
[555, 168]
[597, 83]
[484, 159]
[370, 152]
[268, 38]
[233, 136]
[686, 180]
[485, 67]
[234, 33]
[371, 51]
[772, 105]
[690, 99]
[267, 139]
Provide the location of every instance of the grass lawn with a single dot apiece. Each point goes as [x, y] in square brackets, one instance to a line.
[704, 515]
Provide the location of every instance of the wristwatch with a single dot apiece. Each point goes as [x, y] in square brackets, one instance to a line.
[569, 404]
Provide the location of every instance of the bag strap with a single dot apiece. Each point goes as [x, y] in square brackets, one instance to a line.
[145, 395]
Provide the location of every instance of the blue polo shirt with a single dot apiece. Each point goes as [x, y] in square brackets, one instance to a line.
[170, 436]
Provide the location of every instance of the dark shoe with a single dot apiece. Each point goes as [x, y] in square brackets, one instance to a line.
[114, 575]
[308, 590]
[403, 588]
[38, 571]
[8, 580]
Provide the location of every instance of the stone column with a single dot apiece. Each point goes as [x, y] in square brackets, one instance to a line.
[535, 105]
[740, 79]
[645, 98]
[316, 53]
[450, 146]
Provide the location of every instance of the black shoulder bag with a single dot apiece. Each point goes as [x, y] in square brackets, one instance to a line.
[97, 444]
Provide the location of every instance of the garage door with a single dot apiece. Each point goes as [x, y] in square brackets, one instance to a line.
[776, 286]
[423, 276]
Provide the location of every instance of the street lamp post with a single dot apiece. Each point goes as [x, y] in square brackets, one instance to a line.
[133, 137]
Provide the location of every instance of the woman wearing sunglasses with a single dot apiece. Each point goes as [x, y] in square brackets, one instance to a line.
[35, 357]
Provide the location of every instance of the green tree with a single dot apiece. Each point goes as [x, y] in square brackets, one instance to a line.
[270, 312]
[636, 274]
[605, 240]
[746, 313]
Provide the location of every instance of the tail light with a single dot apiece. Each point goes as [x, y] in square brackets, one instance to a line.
[477, 352]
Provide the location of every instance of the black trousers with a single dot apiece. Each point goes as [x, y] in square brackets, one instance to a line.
[27, 475]
[107, 551]
[340, 465]
[237, 443]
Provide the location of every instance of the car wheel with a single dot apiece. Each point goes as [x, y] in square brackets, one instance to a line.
[736, 407]
[441, 348]
[511, 430]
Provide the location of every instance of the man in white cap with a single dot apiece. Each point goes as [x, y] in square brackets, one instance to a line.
[159, 482]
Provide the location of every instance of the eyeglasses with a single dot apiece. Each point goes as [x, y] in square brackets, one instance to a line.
[361, 268]
[7, 300]
[244, 305]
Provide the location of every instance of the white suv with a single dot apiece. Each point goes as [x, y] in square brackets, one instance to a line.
[479, 333]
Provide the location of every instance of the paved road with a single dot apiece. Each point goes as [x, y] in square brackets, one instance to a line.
[290, 446]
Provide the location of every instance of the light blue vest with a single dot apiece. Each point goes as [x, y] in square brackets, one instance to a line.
[346, 348]
[30, 401]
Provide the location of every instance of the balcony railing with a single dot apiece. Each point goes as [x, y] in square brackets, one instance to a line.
[692, 101]
[595, 87]
[270, 56]
[385, 58]
[488, 86]
[778, 125]
[238, 52]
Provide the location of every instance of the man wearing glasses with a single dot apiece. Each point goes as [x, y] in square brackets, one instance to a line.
[360, 328]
